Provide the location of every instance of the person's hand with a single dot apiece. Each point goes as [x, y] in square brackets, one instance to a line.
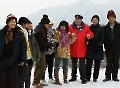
[88, 36]
[55, 40]
[22, 63]
[73, 34]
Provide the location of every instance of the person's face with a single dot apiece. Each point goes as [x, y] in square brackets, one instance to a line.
[112, 20]
[95, 21]
[62, 27]
[78, 21]
[30, 26]
[46, 25]
[50, 25]
[11, 24]
[25, 25]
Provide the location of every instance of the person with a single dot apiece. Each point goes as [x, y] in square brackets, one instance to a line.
[63, 51]
[112, 46]
[49, 55]
[41, 37]
[95, 49]
[12, 53]
[23, 24]
[79, 47]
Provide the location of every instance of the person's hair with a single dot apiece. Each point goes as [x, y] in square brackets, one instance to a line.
[29, 22]
[111, 13]
[23, 20]
[64, 23]
[12, 18]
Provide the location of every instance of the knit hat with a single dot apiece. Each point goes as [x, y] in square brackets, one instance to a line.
[23, 20]
[63, 23]
[111, 13]
[51, 21]
[45, 20]
[9, 17]
[78, 16]
[95, 16]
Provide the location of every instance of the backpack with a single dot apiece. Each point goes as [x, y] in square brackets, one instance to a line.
[35, 50]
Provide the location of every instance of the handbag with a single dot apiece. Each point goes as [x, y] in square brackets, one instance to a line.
[5, 62]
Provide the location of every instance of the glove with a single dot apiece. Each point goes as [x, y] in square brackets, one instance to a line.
[56, 44]
[30, 62]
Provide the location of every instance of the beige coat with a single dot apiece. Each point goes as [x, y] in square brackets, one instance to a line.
[63, 52]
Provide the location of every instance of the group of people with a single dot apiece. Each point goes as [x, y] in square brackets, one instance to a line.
[21, 47]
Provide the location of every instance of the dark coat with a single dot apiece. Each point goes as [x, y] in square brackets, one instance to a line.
[41, 37]
[95, 45]
[107, 34]
[19, 48]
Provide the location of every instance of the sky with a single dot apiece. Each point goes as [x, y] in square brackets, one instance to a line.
[26, 7]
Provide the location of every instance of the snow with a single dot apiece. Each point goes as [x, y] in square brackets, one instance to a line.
[77, 84]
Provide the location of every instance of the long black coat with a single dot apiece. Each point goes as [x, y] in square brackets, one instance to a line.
[107, 34]
[19, 48]
[95, 45]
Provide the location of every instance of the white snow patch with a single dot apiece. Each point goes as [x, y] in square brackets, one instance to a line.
[77, 84]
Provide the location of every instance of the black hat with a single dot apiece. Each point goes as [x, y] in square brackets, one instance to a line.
[23, 20]
[95, 16]
[78, 16]
[45, 20]
[63, 23]
[9, 17]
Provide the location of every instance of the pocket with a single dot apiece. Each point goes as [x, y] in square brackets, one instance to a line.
[6, 62]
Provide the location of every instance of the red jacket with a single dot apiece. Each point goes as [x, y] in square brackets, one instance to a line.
[79, 47]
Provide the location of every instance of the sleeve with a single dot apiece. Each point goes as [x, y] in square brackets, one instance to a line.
[23, 51]
[90, 32]
[102, 37]
[40, 39]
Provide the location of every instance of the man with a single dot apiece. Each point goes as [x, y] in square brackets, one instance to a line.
[49, 55]
[23, 23]
[112, 46]
[79, 47]
[41, 37]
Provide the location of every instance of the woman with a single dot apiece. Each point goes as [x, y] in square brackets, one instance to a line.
[63, 52]
[95, 49]
[12, 53]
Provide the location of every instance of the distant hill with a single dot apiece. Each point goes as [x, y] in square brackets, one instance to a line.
[83, 7]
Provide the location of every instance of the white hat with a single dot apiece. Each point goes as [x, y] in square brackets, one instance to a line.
[51, 21]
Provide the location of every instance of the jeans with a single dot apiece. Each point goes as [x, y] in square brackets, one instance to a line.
[57, 64]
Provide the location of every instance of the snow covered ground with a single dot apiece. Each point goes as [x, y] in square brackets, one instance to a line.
[77, 84]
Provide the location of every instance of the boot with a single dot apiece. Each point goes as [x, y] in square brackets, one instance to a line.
[73, 79]
[65, 77]
[57, 82]
[38, 85]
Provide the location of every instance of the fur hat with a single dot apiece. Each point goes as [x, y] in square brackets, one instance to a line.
[111, 13]
[95, 16]
[9, 17]
[23, 20]
[45, 20]
[78, 16]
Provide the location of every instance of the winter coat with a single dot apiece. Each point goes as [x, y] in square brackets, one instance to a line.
[63, 52]
[41, 37]
[95, 45]
[107, 34]
[79, 47]
[19, 45]
[50, 39]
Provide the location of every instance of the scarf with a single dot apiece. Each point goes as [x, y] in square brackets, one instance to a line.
[9, 36]
[63, 37]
